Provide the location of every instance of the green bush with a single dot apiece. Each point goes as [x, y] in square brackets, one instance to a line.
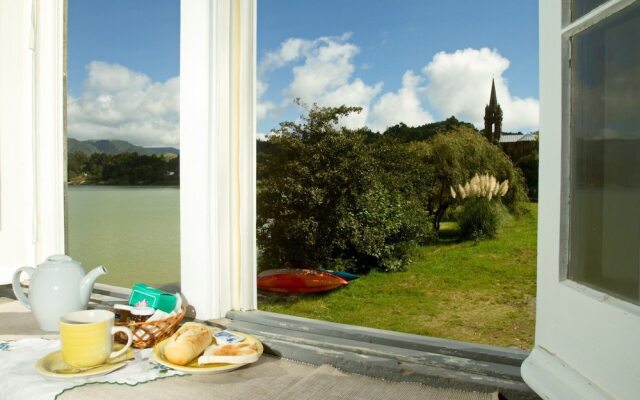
[480, 218]
[326, 199]
[529, 167]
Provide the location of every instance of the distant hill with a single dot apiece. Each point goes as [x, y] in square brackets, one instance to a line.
[112, 147]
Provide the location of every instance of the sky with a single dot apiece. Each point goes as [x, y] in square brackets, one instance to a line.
[411, 61]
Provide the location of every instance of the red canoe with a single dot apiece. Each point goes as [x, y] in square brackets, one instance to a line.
[298, 281]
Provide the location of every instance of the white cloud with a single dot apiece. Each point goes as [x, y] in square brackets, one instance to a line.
[326, 67]
[356, 93]
[262, 107]
[118, 103]
[459, 84]
[323, 74]
[290, 50]
[402, 106]
[323, 71]
[326, 78]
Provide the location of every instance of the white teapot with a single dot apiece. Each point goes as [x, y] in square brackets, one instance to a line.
[57, 287]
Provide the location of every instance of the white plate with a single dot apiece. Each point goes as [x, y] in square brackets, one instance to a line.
[193, 367]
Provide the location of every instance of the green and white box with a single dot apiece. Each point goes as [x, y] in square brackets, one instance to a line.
[147, 296]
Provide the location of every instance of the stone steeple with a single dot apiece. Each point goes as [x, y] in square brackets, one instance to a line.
[493, 117]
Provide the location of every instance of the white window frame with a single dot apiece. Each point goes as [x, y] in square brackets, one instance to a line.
[217, 148]
[31, 132]
[586, 342]
[217, 194]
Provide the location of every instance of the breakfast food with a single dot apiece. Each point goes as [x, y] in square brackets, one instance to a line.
[236, 353]
[187, 343]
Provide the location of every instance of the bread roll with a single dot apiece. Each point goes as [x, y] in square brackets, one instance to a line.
[187, 343]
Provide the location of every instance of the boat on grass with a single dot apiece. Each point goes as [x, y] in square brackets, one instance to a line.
[294, 280]
[342, 274]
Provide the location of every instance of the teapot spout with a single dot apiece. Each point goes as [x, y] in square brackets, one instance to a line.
[86, 286]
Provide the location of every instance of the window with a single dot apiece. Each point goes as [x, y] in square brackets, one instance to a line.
[587, 306]
[586, 341]
[217, 124]
[581, 7]
[123, 156]
[605, 152]
[217, 141]
[369, 200]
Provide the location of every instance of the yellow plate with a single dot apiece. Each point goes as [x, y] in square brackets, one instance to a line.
[52, 365]
[193, 367]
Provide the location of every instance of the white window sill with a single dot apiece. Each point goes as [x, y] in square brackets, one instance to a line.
[373, 352]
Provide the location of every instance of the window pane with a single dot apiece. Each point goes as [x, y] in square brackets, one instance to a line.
[581, 7]
[123, 139]
[605, 143]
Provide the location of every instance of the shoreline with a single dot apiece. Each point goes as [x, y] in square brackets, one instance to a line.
[151, 185]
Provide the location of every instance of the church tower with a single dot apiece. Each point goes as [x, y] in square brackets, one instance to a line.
[493, 117]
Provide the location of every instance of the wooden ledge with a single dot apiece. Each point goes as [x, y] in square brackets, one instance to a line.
[388, 355]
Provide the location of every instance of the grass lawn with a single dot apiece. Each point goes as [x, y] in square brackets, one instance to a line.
[480, 292]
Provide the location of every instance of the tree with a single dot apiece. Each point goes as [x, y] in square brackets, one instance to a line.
[124, 168]
[404, 133]
[455, 157]
[324, 200]
[76, 164]
[528, 164]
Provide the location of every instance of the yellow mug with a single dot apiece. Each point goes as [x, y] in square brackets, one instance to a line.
[87, 337]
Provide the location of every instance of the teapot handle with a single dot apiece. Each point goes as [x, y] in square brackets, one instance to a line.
[17, 289]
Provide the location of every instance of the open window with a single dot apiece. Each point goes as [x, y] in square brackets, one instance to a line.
[588, 317]
[217, 189]
[32, 126]
[588, 322]
[122, 140]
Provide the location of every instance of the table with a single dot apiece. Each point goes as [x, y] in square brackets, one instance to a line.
[269, 378]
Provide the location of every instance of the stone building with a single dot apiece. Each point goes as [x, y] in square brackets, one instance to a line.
[493, 117]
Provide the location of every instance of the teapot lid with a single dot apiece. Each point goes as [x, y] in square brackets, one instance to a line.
[59, 258]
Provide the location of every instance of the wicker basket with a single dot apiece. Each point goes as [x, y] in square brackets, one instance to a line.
[147, 334]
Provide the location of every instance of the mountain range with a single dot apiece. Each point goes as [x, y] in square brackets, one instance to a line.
[89, 147]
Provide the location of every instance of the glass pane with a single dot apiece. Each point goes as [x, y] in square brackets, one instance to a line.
[123, 139]
[605, 143]
[581, 7]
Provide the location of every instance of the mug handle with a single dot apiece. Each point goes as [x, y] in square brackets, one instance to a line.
[126, 331]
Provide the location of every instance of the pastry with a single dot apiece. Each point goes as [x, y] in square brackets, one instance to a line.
[237, 353]
[187, 343]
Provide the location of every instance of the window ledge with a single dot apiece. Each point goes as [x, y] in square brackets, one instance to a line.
[554, 378]
[388, 355]
[367, 351]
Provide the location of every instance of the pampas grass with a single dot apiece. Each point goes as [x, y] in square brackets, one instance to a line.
[480, 217]
[481, 186]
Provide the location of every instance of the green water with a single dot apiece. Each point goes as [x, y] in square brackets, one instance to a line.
[133, 231]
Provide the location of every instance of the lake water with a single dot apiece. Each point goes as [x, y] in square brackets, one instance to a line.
[133, 231]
